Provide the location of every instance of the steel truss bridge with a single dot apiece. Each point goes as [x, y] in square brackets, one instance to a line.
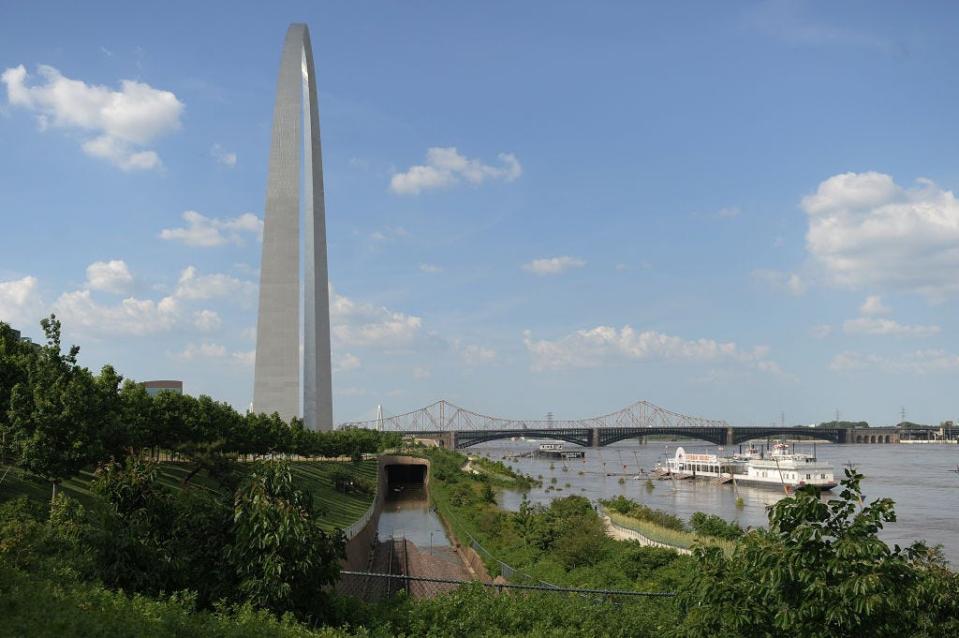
[458, 427]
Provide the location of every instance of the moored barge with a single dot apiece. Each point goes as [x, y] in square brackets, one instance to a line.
[780, 469]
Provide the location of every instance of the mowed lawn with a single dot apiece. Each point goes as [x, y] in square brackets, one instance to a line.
[339, 510]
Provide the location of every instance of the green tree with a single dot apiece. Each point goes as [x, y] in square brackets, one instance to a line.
[820, 570]
[138, 414]
[53, 417]
[715, 526]
[14, 357]
[281, 555]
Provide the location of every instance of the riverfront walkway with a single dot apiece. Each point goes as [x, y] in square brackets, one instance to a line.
[616, 532]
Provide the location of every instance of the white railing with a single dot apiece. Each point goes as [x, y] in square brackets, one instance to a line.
[362, 521]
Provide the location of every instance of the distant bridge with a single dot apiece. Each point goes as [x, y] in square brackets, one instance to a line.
[456, 427]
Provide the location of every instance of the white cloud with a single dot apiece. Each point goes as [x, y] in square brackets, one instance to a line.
[361, 324]
[194, 286]
[445, 167]
[109, 276]
[592, 347]
[728, 212]
[207, 320]
[246, 358]
[821, 331]
[916, 362]
[873, 306]
[345, 362]
[120, 155]
[207, 232]
[880, 326]
[788, 21]
[474, 355]
[205, 350]
[121, 121]
[790, 283]
[131, 316]
[20, 302]
[222, 156]
[430, 268]
[217, 352]
[867, 231]
[389, 233]
[553, 265]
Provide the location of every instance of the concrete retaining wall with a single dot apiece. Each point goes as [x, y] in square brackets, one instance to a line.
[361, 536]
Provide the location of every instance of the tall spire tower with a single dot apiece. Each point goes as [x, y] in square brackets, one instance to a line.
[277, 383]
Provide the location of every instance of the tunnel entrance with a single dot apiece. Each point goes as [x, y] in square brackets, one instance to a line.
[406, 507]
[405, 475]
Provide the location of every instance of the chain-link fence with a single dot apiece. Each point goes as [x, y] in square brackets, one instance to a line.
[376, 587]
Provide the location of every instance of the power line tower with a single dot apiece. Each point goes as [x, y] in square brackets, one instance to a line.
[902, 414]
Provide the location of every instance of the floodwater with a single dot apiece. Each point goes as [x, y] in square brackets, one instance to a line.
[407, 513]
[921, 479]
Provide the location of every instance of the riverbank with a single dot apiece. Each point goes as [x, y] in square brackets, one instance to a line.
[620, 533]
[623, 527]
[564, 544]
[921, 479]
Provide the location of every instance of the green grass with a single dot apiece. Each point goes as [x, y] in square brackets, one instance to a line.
[340, 510]
[665, 535]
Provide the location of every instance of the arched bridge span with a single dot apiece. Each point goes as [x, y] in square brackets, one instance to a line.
[740, 435]
[459, 427]
[613, 435]
[583, 437]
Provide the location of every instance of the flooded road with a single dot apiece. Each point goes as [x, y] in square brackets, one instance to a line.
[407, 514]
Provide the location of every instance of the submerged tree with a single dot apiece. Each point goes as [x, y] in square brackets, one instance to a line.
[821, 570]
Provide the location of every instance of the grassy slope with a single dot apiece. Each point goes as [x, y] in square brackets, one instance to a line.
[665, 535]
[341, 510]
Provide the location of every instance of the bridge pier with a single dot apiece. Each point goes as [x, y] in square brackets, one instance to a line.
[594, 437]
[730, 436]
[444, 439]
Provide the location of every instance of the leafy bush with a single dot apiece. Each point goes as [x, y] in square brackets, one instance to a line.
[821, 570]
[631, 508]
[42, 608]
[715, 526]
[281, 555]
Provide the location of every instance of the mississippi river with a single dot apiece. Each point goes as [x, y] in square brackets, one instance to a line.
[921, 479]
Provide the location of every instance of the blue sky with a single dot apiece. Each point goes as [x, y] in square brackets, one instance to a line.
[733, 210]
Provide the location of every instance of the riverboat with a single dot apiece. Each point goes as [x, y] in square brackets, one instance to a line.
[780, 469]
[558, 451]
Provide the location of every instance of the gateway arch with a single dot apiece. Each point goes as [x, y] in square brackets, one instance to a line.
[276, 378]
